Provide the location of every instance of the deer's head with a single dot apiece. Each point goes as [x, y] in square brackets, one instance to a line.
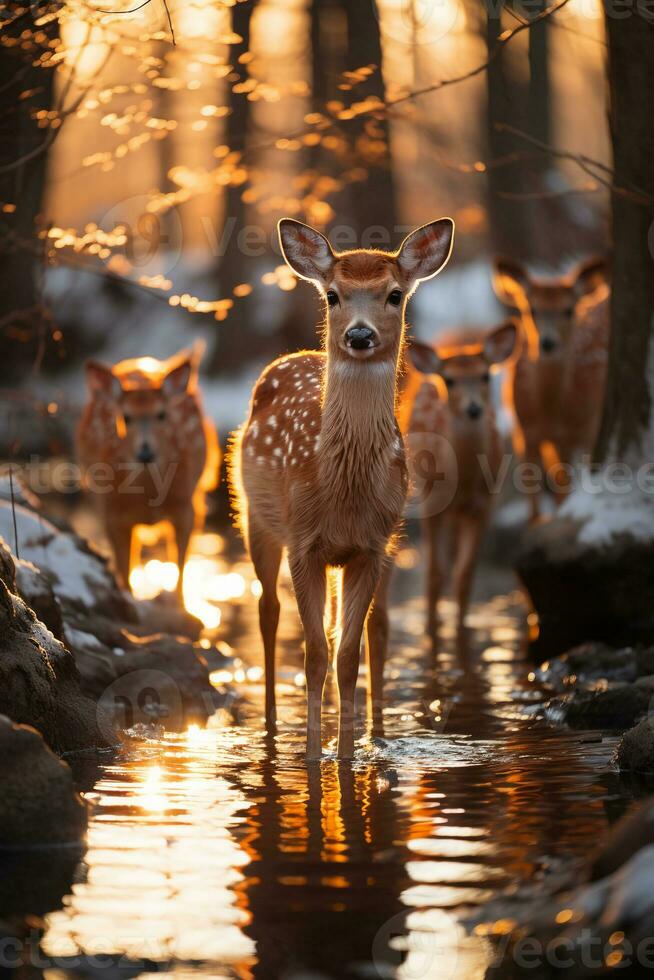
[550, 301]
[366, 290]
[143, 394]
[466, 372]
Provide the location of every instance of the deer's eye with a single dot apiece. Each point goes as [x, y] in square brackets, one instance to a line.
[395, 297]
[332, 297]
[161, 415]
[449, 382]
[486, 377]
[569, 311]
[127, 418]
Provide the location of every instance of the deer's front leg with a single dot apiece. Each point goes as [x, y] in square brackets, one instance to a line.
[183, 526]
[359, 584]
[469, 532]
[119, 532]
[310, 582]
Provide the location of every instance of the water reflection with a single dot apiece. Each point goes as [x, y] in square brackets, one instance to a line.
[219, 852]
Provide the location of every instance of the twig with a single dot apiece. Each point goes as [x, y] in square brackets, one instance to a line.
[140, 6]
[547, 195]
[13, 509]
[502, 41]
[586, 163]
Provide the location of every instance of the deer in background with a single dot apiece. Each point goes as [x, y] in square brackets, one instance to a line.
[148, 452]
[319, 467]
[455, 453]
[559, 378]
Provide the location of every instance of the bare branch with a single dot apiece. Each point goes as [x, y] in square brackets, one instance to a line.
[587, 164]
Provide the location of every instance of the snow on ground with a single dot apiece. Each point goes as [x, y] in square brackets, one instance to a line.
[610, 513]
[75, 575]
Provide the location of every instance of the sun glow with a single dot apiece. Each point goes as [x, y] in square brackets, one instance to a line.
[206, 583]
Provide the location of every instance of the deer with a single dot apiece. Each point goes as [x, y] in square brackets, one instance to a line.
[147, 450]
[318, 469]
[559, 378]
[455, 454]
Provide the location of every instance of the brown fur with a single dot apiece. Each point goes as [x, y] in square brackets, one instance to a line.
[319, 466]
[454, 458]
[137, 403]
[558, 394]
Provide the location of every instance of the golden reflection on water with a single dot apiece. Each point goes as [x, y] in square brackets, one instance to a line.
[208, 581]
[219, 851]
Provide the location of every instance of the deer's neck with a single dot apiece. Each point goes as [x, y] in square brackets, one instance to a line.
[358, 428]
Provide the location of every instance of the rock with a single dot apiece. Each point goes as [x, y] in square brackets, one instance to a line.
[591, 662]
[164, 615]
[558, 928]
[139, 678]
[139, 658]
[635, 752]
[628, 836]
[79, 577]
[160, 677]
[618, 707]
[36, 590]
[39, 682]
[38, 804]
[582, 592]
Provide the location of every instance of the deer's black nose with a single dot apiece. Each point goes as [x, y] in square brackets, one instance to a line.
[145, 454]
[474, 410]
[360, 337]
[548, 344]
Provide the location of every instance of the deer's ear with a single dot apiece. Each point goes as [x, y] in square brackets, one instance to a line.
[501, 342]
[101, 380]
[426, 250]
[306, 251]
[590, 274]
[510, 282]
[423, 357]
[182, 372]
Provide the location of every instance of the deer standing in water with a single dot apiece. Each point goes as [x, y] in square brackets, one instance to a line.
[319, 467]
[148, 451]
[455, 453]
[559, 377]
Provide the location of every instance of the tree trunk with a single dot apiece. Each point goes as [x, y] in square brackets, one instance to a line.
[538, 103]
[237, 130]
[230, 265]
[374, 205]
[628, 405]
[22, 324]
[506, 217]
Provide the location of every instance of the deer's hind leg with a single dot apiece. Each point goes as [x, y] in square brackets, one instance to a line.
[266, 556]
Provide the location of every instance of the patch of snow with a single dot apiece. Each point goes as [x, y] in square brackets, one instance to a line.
[460, 296]
[75, 574]
[80, 640]
[606, 515]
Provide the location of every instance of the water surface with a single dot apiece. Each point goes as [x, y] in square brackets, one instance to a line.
[218, 852]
